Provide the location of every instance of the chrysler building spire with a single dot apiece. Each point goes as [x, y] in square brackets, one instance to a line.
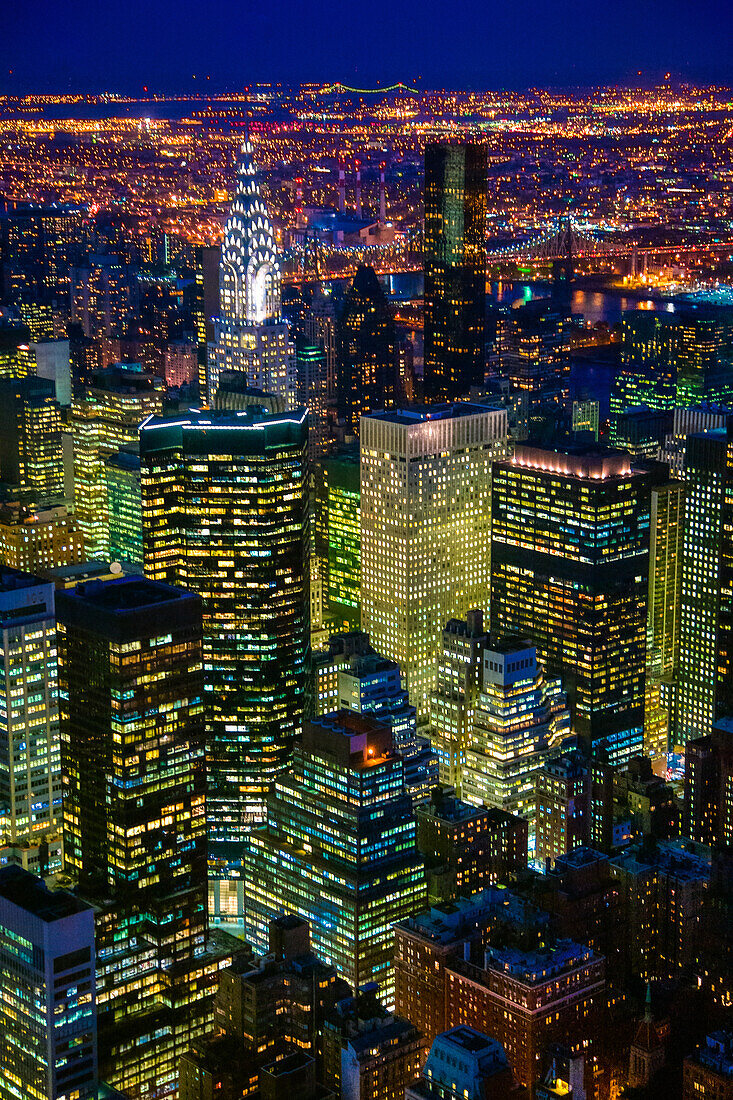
[250, 335]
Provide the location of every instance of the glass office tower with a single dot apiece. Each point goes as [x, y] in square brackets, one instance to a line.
[132, 727]
[455, 269]
[339, 849]
[570, 570]
[225, 511]
[30, 784]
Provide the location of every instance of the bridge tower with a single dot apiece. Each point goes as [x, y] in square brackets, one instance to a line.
[562, 270]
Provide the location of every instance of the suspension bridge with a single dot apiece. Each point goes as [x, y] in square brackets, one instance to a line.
[566, 241]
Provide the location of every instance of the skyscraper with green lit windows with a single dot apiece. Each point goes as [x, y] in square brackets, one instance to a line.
[339, 848]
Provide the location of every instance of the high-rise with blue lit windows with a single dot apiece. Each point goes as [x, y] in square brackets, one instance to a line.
[339, 848]
[570, 571]
[225, 515]
[48, 1012]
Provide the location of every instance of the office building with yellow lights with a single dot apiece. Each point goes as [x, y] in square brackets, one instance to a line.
[132, 728]
[38, 541]
[425, 529]
[520, 715]
[225, 515]
[31, 447]
[570, 571]
[105, 418]
[30, 782]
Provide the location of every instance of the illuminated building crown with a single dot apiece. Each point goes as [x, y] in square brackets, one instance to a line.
[249, 272]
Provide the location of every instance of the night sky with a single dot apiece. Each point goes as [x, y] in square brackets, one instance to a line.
[95, 45]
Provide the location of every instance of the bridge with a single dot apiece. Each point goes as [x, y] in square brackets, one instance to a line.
[566, 241]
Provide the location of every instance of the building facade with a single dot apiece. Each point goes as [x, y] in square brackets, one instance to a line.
[225, 513]
[48, 1011]
[132, 723]
[570, 570]
[339, 848]
[30, 783]
[455, 269]
[425, 527]
[520, 716]
[459, 679]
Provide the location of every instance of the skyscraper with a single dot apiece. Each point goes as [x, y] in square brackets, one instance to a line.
[366, 376]
[705, 474]
[455, 269]
[250, 335]
[339, 848]
[570, 570]
[48, 1017]
[563, 806]
[460, 677]
[30, 784]
[669, 360]
[31, 448]
[351, 675]
[338, 537]
[105, 418]
[708, 815]
[132, 725]
[225, 515]
[520, 715]
[425, 529]
[124, 506]
[666, 531]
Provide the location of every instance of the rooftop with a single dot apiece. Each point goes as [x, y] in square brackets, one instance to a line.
[14, 580]
[127, 608]
[586, 461]
[535, 967]
[717, 1054]
[31, 894]
[683, 859]
[423, 414]
[449, 921]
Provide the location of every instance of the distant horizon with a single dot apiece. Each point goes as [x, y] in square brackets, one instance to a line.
[473, 44]
[644, 82]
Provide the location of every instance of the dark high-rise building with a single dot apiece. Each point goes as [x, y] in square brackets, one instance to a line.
[132, 727]
[669, 360]
[31, 447]
[570, 570]
[365, 340]
[225, 515]
[38, 245]
[708, 814]
[455, 269]
[312, 389]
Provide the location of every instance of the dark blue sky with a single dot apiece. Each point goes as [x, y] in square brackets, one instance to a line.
[97, 44]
